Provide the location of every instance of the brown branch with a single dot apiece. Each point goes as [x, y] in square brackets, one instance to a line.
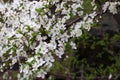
[71, 22]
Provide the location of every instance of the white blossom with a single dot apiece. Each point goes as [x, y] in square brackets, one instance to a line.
[41, 73]
[73, 45]
[111, 6]
[30, 29]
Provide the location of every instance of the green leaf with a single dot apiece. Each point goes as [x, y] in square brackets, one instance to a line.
[39, 10]
[1, 20]
[61, 31]
[20, 31]
[87, 6]
[34, 35]
[28, 28]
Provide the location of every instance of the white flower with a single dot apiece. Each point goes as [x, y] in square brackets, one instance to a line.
[76, 32]
[26, 69]
[59, 52]
[105, 6]
[18, 35]
[49, 57]
[30, 59]
[52, 45]
[20, 20]
[38, 63]
[110, 76]
[87, 26]
[113, 8]
[14, 60]
[41, 73]
[92, 15]
[64, 37]
[73, 45]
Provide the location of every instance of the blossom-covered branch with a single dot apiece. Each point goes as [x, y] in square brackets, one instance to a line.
[39, 30]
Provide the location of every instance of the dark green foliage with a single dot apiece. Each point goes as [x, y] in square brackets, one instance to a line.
[96, 58]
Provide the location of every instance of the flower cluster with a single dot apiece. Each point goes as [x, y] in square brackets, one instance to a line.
[37, 31]
[111, 6]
